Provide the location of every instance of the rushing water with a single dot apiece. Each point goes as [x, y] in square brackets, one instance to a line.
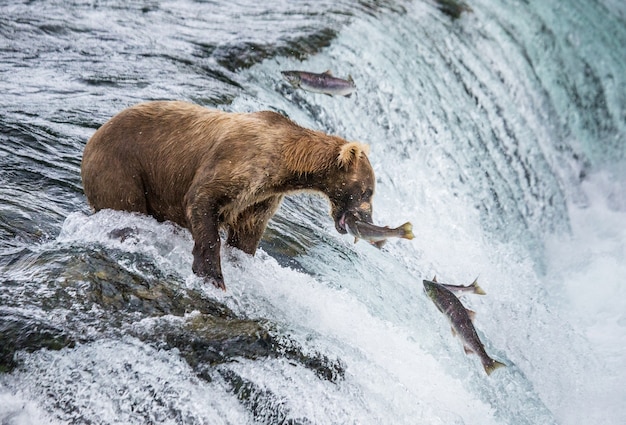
[501, 135]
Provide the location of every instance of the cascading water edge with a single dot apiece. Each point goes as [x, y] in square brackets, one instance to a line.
[499, 135]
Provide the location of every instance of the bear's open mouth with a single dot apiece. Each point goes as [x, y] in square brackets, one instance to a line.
[341, 223]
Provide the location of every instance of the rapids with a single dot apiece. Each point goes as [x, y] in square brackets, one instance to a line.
[498, 130]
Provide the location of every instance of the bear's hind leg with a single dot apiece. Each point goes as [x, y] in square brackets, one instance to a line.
[114, 186]
[247, 231]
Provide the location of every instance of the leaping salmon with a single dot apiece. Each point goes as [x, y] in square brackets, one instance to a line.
[320, 83]
[461, 322]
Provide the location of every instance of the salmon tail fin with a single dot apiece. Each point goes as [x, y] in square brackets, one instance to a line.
[477, 289]
[493, 365]
[350, 80]
[407, 229]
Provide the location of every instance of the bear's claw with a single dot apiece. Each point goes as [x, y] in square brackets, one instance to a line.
[219, 283]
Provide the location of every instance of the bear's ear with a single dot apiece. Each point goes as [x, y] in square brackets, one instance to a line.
[350, 152]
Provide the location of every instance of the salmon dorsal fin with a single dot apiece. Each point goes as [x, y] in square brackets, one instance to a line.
[328, 72]
[477, 289]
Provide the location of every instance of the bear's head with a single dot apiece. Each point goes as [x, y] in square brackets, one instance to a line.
[350, 185]
[336, 167]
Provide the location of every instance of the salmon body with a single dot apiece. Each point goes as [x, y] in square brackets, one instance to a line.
[461, 322]
[323, 83]
[377, 235]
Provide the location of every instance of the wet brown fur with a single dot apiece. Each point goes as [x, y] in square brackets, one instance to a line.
[205, 169]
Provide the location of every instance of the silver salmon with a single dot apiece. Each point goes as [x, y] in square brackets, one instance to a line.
[461, 323]
[377, 235]
[320, 83]
[472, 288]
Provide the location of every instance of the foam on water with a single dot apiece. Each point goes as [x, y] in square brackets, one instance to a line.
[20, 409]
[372, 316]
[586, 275]
[123, 382]
[428, 174]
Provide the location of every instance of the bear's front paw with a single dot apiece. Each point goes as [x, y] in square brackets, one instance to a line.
[206, 271]
[217, 282]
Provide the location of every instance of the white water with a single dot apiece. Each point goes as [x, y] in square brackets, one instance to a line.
[553, 313]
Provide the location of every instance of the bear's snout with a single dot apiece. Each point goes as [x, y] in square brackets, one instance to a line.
[363, 215]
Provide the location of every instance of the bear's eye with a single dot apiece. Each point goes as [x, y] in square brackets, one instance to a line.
[367, 194]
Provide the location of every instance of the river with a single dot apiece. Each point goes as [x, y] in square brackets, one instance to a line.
[498, 131]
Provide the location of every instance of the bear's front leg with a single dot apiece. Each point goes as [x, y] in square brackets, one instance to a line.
[206, 260]
[203, 218]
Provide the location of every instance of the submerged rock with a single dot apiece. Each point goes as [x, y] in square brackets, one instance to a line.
[19, 332]
[93, 296]
[206, 341]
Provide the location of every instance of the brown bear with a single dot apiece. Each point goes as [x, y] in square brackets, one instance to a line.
[207, 169]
